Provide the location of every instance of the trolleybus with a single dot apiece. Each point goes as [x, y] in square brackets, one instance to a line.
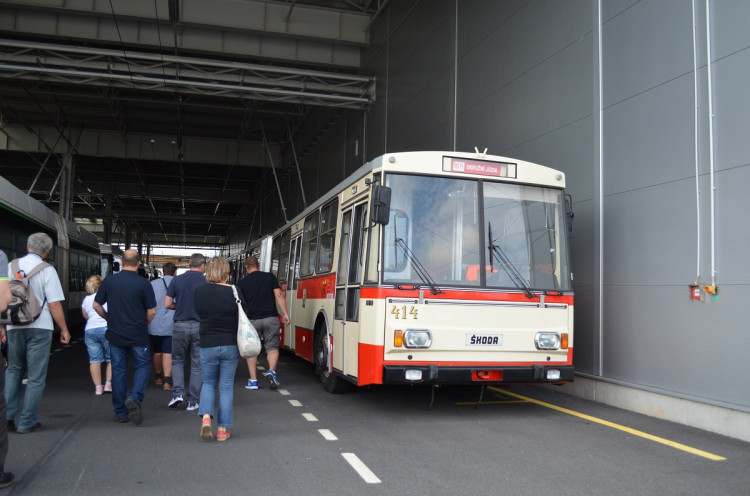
[432, 268]
[75, 254]
[111, 256]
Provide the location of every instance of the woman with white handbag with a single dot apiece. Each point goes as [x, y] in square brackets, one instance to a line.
[217, 307]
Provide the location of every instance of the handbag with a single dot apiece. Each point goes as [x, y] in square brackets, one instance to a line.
[248, 341]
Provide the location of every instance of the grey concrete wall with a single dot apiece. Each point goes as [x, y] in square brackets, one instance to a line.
[522, 79]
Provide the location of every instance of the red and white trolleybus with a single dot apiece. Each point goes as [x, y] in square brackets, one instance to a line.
[433, 268]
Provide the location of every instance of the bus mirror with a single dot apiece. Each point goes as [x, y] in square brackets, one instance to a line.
[569, 214]
[380, 206]
[115, 266]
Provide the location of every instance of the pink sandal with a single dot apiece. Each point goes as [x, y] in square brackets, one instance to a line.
[223, 435]
[206, 433]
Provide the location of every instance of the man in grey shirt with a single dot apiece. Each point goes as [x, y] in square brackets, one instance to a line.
[160, 330]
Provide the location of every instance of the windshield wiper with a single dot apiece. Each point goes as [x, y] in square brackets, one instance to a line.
[506, 264]
[418, 267]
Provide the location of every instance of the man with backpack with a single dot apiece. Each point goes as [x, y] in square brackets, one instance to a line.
[29, 344]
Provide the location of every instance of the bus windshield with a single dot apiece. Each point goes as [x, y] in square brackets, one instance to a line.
[444, 230]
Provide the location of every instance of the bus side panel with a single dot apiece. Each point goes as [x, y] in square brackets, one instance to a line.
[313, 299]
[371, 336]
[303, 343]
[370, 369]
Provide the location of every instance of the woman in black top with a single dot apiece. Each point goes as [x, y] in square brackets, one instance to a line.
[217, 309]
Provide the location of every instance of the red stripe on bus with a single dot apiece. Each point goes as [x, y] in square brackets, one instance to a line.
[382, 293]
[324, 287]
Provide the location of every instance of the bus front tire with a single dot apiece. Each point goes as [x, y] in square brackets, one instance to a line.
[331, 382]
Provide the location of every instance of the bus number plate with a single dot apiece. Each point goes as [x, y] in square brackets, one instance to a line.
[484, 340]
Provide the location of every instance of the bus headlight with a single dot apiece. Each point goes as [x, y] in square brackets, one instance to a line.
[417, 338]
[547, 341]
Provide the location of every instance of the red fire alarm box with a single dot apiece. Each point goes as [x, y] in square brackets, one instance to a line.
[695, 292]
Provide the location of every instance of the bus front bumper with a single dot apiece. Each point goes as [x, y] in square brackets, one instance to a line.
[436, 374]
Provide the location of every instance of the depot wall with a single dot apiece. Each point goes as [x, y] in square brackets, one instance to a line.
[608, 95]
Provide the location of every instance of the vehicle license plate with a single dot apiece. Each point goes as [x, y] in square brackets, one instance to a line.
[484, 340]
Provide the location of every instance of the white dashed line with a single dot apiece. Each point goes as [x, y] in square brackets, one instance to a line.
[367, 475]
[328, 435]
[361, 468]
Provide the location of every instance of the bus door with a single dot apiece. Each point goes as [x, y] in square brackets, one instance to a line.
[291, 289]
[348, 279]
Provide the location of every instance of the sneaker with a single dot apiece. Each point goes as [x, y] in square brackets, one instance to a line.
[271, 376]
[6, 479]
[121, 420]
[134, 411]
[33, 428]
[251, 384]
[175, 402]
[10, 426]
[108, 387]
[192, 405]
[98, 390]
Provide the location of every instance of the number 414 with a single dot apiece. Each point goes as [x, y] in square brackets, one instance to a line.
[402, 313]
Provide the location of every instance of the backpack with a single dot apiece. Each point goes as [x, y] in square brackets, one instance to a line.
[24, 308]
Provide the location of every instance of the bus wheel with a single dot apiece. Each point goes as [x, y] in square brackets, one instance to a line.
[331, 382]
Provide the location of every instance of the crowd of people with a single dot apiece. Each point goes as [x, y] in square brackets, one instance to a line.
[161, 323]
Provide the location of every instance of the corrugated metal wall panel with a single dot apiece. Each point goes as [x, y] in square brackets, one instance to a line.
[527, 86]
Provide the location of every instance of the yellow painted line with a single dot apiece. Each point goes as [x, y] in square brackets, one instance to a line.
[474, 403]
[650, 437]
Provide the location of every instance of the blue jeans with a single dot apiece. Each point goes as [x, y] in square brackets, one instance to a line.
[218, 363]
[141, 372]
[185, 338]
[28, 349]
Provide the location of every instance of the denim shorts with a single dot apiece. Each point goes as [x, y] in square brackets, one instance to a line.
[97, 345]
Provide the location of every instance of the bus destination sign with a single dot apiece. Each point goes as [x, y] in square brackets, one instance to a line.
[479, 167]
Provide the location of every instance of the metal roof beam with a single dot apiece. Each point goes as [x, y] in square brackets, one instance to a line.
[97, 143]
[148, 71]
[244, 28]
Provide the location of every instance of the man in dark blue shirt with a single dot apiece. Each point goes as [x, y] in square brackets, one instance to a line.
[131, 305]
[185, 336]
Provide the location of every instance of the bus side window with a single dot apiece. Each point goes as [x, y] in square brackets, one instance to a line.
[309, 244]
[328, 220]
[281, 255]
